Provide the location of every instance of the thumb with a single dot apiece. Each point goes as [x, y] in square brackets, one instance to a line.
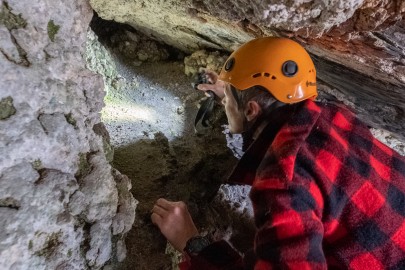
[204, 87]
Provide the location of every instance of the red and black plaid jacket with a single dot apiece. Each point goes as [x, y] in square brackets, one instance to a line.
[326, 194]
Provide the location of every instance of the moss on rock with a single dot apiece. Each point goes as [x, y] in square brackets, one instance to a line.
[37, 164]
[9, 19]
[6, 108]
[84, 166]
[51, 244]
[52, 30]
[71, 120]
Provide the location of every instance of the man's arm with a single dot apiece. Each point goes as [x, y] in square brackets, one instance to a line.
[176, 224]
[290, 231]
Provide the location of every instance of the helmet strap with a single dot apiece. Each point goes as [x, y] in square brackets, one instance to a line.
[253, 129]
[236, 96]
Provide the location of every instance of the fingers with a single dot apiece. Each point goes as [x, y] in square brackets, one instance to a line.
[208, 72]
[229, 99]
[159, 210]
[211, 76]
[217, 88]
[204, 87]
[156, 219]
[227, 91]
[165, 204]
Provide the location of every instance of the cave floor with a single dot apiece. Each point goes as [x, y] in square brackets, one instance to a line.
[150, 121]
[153, 105]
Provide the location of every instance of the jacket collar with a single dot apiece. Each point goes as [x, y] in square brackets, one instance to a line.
[274, 137]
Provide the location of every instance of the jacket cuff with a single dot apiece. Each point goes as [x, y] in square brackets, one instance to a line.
[218, 255]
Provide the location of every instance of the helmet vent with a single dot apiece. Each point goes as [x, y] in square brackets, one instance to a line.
[273, 77]
[266, 75]
[256, 75]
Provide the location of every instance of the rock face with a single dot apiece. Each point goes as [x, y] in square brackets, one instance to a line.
[358, 45]
[60, 201]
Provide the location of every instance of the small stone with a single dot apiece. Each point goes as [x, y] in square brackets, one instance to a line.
[142, 56]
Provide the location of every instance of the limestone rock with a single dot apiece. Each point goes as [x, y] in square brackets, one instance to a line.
[125, 217]
[58, 197]
[100, 61]
[127, 43]
[203, 59]
[174, 22]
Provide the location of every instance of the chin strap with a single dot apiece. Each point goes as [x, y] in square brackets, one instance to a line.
[248, 135]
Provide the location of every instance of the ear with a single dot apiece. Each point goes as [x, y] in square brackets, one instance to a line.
[252, 110]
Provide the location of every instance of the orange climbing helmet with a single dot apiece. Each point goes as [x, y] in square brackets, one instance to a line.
[280, 65]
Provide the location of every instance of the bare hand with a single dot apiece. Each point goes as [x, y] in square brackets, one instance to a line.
[215, 85]
[174, 221]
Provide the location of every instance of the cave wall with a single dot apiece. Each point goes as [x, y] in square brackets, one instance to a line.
[61, 203]
[358, 46]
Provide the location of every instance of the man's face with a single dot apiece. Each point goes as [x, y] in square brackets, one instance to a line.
[236, 118]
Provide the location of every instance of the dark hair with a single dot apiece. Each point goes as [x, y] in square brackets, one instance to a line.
[256, 93]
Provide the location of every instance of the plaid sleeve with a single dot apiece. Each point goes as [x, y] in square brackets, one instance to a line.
[290, 230]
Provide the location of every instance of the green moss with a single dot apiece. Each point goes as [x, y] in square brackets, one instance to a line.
[51, 244]
[70, 119]
[30, 244]
[108, 151]
[84, 166]
[69, 253]
[52, 30]
[37, 164]
[9, 19]
[6, 108]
